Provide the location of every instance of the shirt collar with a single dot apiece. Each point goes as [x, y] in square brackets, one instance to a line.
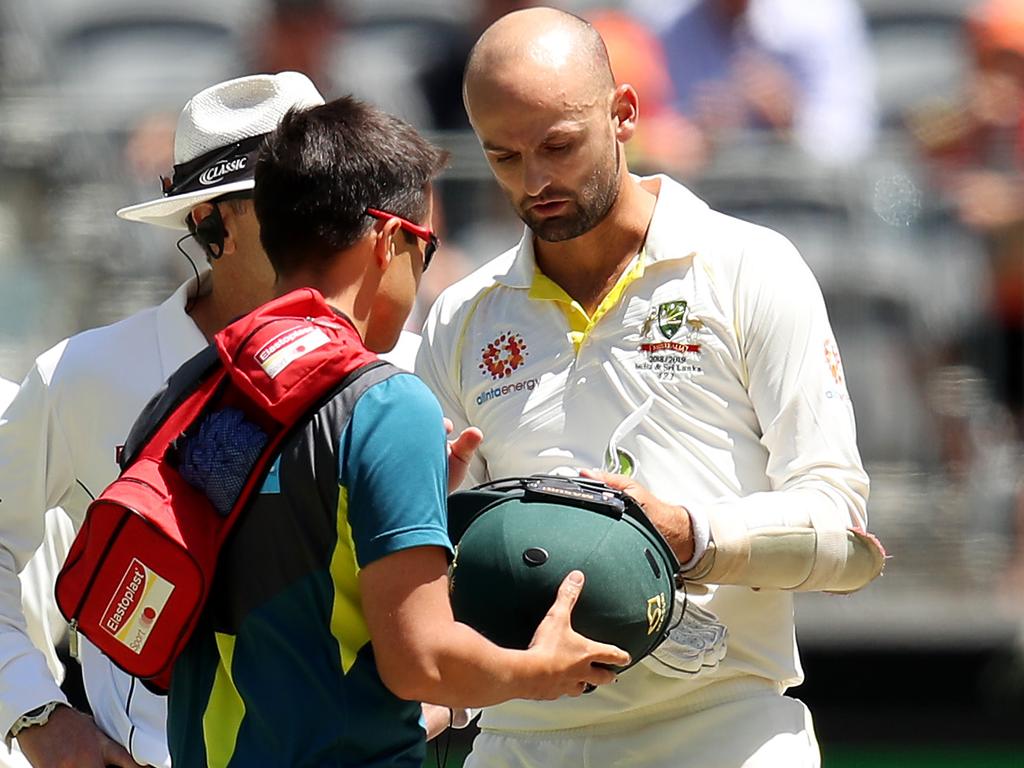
[676, 226]
[178, 336]
[522, 263]
[673, 233]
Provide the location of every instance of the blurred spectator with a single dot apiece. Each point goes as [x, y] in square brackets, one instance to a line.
[297, 36]
[664, 138]
[976, 150]
[801, 70]
[982, 458]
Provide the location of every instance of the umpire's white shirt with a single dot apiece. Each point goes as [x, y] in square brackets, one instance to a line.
[723, 325]
[58, 445]
[44, 624]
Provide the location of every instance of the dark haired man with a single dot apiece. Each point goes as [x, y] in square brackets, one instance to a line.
[329, 619]
[636, 329]
[60, 436]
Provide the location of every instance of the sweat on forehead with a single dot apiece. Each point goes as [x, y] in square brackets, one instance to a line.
[537, 50]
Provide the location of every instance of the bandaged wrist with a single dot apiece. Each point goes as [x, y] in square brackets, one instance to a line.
[816, 554]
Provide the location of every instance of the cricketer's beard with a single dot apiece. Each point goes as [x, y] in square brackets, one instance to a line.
[586, 209]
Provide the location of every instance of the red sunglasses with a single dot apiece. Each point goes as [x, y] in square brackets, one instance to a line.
[423, 233]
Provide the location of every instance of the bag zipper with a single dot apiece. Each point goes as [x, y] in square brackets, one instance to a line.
[73, 640]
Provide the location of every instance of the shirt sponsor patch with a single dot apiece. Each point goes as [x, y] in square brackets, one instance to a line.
[285, 348]
[835, 367]
[136, 605]
[506, 389]
[503, 356]
[834, 362]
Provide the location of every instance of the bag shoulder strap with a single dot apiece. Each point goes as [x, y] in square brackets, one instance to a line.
[202, 368]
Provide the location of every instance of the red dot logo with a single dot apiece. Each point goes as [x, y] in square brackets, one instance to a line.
[834, 362]
[503, 356]
[148, 614]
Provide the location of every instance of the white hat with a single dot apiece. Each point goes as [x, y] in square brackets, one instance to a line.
[215, 144]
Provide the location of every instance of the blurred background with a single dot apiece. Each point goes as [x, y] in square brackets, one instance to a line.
[884, 137]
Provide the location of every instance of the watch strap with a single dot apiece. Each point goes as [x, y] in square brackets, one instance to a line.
[38, 716]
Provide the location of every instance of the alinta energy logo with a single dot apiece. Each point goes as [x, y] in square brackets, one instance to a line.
[503, 356]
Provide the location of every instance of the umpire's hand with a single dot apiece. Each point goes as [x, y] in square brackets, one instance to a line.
[70, 739]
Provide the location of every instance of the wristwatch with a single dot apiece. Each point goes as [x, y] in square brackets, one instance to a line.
[37, 716]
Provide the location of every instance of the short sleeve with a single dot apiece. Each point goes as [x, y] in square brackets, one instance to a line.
[394, 471]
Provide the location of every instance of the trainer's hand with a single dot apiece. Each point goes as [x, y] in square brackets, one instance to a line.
[71, 739]
[460, 453]
[673, 522]
[568, 663]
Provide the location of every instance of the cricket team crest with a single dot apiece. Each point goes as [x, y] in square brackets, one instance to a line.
[670, 340]
[671, 316]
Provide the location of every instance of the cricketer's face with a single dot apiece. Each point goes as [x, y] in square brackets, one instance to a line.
[558, 164]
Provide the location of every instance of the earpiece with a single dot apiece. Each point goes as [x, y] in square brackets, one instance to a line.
[210, 233]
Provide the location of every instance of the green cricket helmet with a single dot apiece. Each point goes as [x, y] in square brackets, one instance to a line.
[516, 539]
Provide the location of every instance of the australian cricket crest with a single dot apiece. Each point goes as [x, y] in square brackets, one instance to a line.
[671, 316]
[670, 340]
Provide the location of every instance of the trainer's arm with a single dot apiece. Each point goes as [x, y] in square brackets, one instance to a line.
[423, 654]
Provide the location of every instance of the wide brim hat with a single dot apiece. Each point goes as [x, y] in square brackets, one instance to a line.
[218, 135]
[516, 540]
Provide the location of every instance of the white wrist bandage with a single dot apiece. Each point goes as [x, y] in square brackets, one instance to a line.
[817, 556]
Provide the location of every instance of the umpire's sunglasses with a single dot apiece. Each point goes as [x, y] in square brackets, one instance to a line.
[423, 233]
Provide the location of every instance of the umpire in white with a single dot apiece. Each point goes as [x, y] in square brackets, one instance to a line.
[43, 622]
[59, 438]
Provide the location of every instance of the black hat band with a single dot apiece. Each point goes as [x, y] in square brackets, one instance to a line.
[224, 165]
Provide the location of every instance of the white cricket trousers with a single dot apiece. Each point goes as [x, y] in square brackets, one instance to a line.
[766, 730]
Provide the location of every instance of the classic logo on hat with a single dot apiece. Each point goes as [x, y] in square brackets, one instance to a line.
[222, 169]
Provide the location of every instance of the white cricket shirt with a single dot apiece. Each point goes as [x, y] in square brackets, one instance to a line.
[723, 325]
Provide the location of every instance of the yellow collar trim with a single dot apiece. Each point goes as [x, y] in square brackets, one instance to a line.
[543, 288]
